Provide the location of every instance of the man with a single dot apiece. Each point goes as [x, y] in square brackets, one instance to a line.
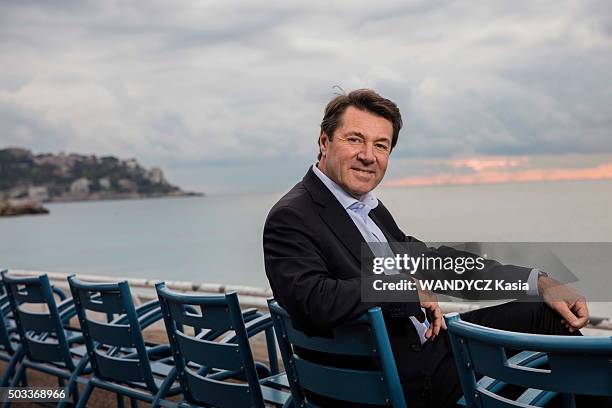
[312, 244]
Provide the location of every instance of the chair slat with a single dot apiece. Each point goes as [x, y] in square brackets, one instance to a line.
[111, 334]
[119, 369]
[214, 317]
[104, 302]
[352, 339]
[220, 394]
[37, 322]
[210, 353]
[30, 294]
[44, 351]
[341, 383]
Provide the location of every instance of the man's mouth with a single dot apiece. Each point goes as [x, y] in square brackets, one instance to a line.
[363, 174]
[363, 171]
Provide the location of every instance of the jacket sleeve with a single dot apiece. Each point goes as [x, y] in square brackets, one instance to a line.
[299, 276]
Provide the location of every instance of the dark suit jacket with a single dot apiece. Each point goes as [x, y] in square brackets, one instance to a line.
[312, 254]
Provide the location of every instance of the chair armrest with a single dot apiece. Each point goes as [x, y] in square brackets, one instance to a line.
[65, 303]
[222, 375]
[253, 327]
[141, 311]
[248, 315]
[59, 292]
[146, 307]
[76, 339]
[150, 317]
[66, 310]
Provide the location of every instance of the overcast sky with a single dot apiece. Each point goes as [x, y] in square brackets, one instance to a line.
[227, 96]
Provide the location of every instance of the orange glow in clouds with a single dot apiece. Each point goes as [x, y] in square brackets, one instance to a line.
[484, 173]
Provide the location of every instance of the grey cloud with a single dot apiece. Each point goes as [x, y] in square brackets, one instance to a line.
[211, 82]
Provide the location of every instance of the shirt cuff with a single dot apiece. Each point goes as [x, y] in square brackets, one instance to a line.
[532, 282]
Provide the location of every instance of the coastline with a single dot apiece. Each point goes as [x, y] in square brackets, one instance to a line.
[122, 196]
[14, 208]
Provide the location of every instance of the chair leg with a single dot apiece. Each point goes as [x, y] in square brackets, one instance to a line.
[85, 397]
[75, 394]
[24, 379]
[12, 365]
[164, 388]
[120, 401]
[133, 403]
[20, 372]
[73, 388]
[18, 377]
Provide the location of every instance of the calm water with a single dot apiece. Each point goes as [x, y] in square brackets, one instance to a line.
[218, 238]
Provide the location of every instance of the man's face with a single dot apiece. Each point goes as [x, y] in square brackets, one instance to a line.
[357, 155]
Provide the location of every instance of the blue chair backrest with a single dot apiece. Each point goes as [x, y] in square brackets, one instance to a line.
[365, 336]
[37, 319]
[210, 314]
[577, 365]
[5, 339]
[118, 332]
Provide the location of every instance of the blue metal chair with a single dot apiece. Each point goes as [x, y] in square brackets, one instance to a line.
[45, 344]
[365, 336]
[216, 349]
[121, 360]
[9, 340]
[575, 365]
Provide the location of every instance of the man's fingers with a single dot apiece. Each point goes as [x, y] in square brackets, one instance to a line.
[571, 321]
[580, 309]
[428, 333]
[439, 320]
[565, 312]
[436, 320]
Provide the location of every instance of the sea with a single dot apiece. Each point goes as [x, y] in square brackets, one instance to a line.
[217, 238]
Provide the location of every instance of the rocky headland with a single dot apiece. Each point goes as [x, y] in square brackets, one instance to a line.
[26, 180]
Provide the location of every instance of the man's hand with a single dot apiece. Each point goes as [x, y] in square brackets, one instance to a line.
[565, 301]
[429, 301]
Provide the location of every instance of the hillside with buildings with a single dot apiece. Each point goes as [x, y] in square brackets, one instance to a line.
[25, 177]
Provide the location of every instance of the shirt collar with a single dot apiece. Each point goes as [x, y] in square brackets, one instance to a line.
[347, 201]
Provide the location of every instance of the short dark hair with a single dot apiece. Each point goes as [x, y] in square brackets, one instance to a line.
[365, 100]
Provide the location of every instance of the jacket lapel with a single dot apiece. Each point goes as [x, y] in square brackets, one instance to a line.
[334, 215]
[379, 218]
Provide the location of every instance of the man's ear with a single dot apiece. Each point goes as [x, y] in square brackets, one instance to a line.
[323, 141]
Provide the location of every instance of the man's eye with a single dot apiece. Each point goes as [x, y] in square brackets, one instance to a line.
[382, 146]
[353, 140]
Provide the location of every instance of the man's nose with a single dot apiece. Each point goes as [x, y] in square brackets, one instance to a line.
[366, 155]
